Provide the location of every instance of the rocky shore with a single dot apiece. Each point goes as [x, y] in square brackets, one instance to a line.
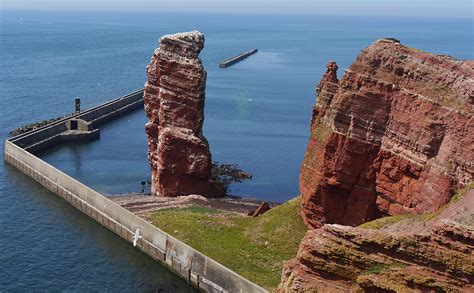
[35, 125]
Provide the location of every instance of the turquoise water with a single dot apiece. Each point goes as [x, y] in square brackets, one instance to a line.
[257, 116]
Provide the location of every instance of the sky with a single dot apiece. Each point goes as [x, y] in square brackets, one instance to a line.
[424, 8]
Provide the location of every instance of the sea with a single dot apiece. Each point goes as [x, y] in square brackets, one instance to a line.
[257, 116]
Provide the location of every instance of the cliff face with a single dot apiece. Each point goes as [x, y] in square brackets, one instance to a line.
[394, 135]
[174, 96]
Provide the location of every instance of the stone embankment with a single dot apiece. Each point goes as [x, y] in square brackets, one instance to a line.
[235, 59]
[36, 125]
[143, 205]
[81, 126]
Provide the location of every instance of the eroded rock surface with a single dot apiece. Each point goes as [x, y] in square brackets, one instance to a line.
[174, 96]
[394, 135]
[413, 254]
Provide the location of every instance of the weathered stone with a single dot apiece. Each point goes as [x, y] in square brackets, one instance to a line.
[174, 96]
[410, 254]
[393, 135]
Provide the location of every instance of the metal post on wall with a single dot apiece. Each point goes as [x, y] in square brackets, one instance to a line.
[78, 105]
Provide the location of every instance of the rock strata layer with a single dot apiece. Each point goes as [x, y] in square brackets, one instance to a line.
[339, 258]
[174, 96]
[405, 254]
[394, 135]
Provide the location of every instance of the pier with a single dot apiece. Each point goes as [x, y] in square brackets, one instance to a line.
[197, 269]
[78, 127]
[235, 59]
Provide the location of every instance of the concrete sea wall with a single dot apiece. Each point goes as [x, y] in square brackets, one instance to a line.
[235, 59]
[56, 132]
[197, 269]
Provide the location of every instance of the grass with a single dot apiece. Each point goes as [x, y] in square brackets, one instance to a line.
[378, 268]
[462, 192]
[321, 133]
[387, 221]
[252, 247]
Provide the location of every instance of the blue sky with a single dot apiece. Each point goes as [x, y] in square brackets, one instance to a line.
[424, 8]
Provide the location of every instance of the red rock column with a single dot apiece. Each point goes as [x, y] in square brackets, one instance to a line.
[174, 96]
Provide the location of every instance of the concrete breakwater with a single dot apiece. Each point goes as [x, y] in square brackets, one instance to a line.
[237, 58]
[81, 126]
[197, 269]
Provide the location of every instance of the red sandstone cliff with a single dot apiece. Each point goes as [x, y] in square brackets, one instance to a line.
[174, 96]
[394, 135]
[409, 254]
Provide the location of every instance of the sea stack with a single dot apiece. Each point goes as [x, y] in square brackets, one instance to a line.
[394, 135]
[174, 96]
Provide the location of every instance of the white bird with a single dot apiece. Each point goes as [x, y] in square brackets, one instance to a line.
[136, 237]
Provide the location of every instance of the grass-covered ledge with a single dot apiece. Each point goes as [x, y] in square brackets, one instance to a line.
[253, 247]
[413, 218]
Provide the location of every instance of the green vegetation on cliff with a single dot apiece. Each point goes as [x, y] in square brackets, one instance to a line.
[390, 220]
[252, 247]
[386, 221]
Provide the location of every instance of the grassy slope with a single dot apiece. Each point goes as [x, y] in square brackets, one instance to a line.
[387, 221]
[253, 247]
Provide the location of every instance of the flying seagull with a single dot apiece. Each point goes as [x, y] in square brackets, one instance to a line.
[136, 237]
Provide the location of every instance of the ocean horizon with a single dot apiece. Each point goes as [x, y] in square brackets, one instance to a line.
[257, 116]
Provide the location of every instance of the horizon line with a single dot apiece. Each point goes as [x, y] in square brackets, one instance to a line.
[290, 13]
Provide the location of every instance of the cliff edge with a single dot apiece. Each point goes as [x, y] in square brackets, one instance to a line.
[394, 135]
[410, 253]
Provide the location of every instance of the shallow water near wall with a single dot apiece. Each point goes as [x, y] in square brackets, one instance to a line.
[257, 116]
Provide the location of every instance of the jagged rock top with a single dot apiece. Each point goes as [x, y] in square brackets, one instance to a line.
[174, 95]
[442, 78]
[393, 135]
[185, 44]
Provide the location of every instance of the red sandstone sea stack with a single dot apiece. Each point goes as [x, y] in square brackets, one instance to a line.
[174, 97]
[394, 135]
